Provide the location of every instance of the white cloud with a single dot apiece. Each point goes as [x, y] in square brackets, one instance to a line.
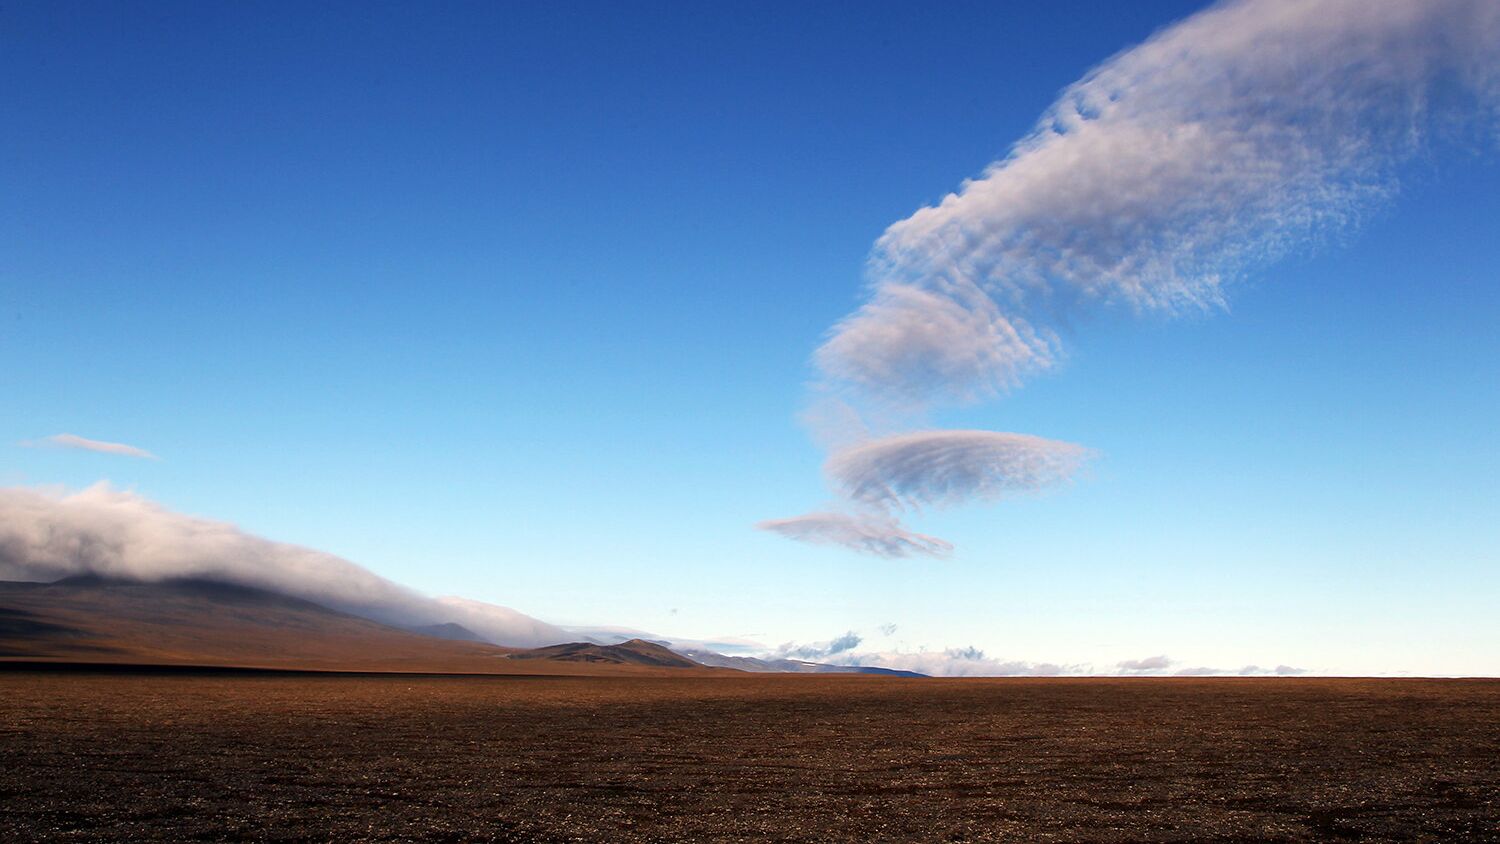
[819, 651]
[951, 467]
[912, 344]
[973, 662]
[1159, 665]
[1240, 134]
[1199, 671]
[112, 533]
[868, 533]
[1247, 671]
[1150, 663]
[1245, 132]
[74, 441]
[956, 662]
[1279, 671]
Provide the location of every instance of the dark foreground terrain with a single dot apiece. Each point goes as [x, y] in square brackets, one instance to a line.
[809, 758]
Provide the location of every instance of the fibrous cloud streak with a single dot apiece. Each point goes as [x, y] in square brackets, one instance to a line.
[74, 441]
[867, 532]
[102, 531]
[1221, 143]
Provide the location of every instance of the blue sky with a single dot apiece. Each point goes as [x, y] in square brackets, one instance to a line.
[518, 302]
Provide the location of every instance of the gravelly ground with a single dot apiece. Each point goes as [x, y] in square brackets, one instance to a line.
[789, 758]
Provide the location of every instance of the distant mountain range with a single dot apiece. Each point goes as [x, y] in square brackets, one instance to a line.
[193, 622]
[633, 652]
[786, 666]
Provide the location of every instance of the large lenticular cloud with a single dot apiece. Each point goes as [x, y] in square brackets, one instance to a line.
[108, 532]
[1219, 144]
[1245, 132]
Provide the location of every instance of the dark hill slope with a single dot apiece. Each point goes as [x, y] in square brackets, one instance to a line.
[196, 622]
[633, 652]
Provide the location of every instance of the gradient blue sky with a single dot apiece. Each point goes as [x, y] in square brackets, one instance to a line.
[517, 301]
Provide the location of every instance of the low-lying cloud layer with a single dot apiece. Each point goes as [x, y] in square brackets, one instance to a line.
[973, 662]
[958, 662]
[1163, 664]
[74, 441]
[1150, 663]
[1247, 671]
[103, 531]
[816, 651]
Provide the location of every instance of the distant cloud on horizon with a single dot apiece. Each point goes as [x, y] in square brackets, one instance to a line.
[974, 662]
[944, 468]
[1161, 665]
[1150, 663]
[73, 441]
[958, 662]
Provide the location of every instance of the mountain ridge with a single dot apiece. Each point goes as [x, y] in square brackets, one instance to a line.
[206, 622]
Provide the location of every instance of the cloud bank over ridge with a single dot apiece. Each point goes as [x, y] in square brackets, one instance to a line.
[112, 533]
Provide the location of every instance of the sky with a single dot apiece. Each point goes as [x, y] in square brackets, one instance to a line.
[593, 310]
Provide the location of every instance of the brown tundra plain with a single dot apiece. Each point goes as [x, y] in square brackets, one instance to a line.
[283, 757]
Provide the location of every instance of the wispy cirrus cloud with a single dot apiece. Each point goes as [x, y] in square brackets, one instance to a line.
[867, 532]
[74, 441]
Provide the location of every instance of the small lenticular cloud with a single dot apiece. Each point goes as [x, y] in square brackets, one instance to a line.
[867, 533]
[73, 441]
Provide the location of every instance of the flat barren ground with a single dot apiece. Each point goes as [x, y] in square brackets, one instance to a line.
[802, 758]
